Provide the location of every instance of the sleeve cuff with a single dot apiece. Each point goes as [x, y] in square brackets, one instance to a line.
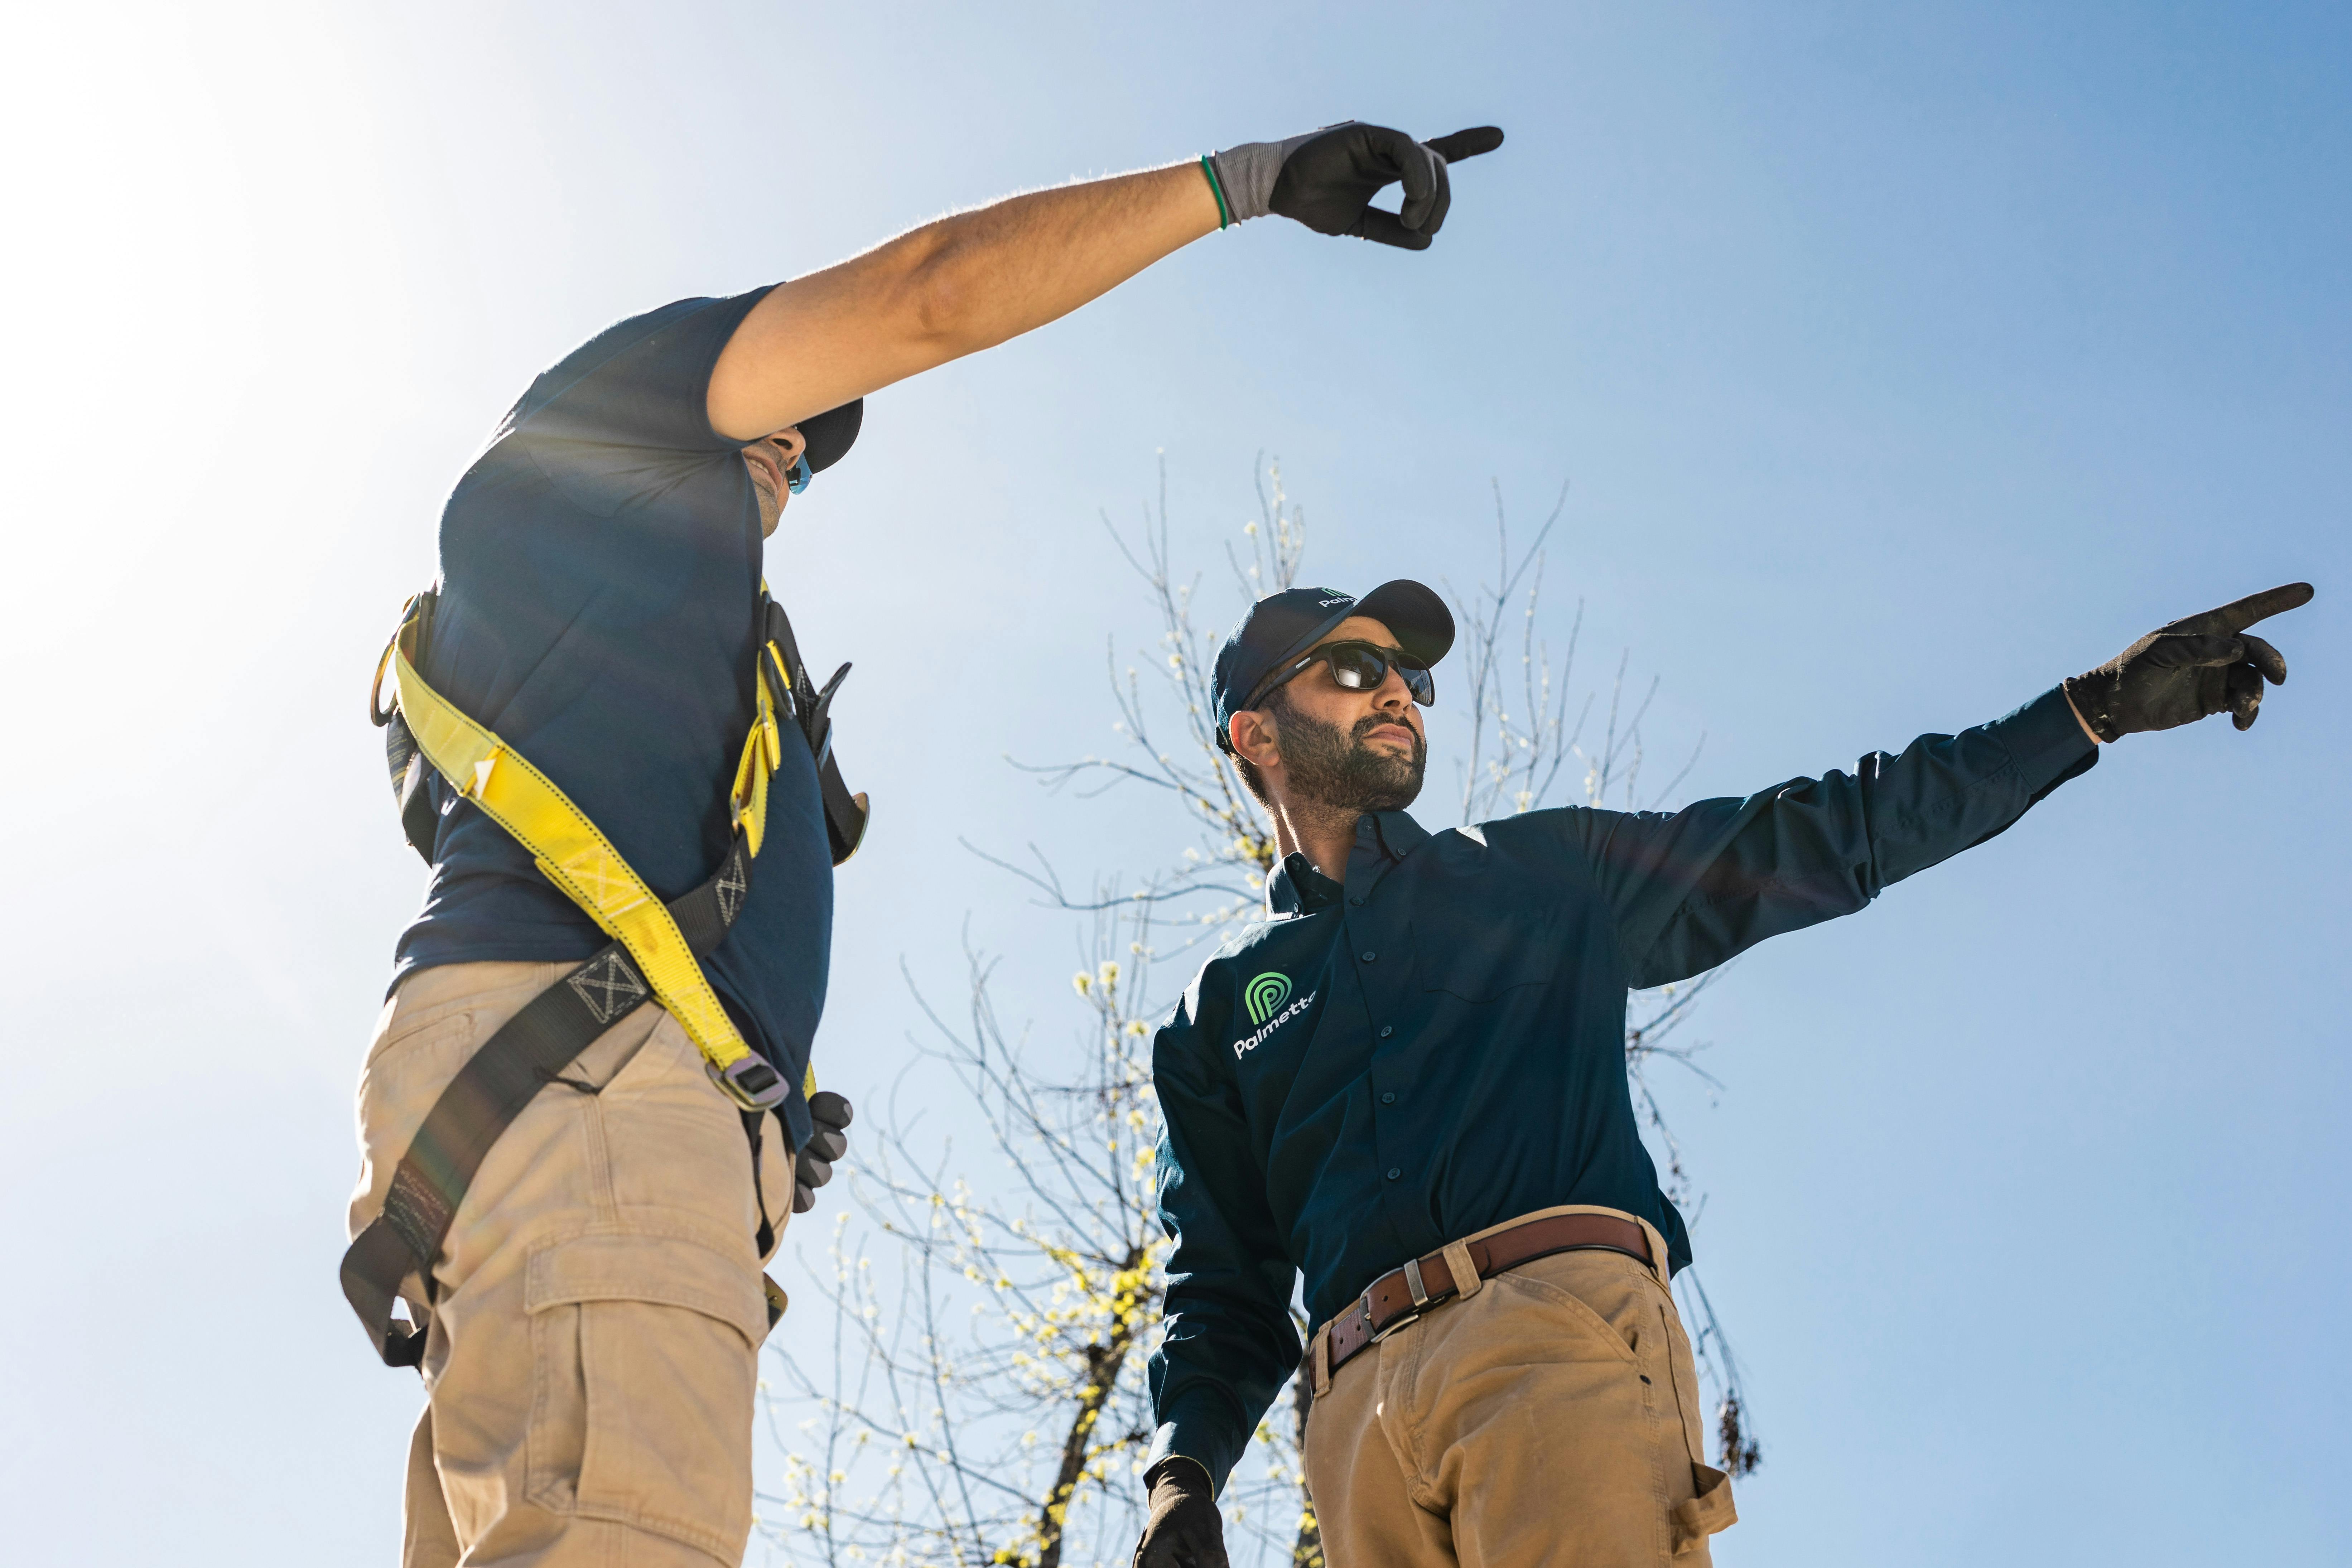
[1192, 1439]
[2046, 741]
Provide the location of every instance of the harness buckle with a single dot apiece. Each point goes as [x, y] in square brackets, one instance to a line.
[750, 1082]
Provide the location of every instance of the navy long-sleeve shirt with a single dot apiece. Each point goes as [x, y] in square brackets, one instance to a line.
[1371, 1071]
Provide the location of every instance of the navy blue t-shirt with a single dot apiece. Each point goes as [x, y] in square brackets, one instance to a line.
[599, 573]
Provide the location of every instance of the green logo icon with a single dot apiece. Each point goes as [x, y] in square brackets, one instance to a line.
[1262, 995]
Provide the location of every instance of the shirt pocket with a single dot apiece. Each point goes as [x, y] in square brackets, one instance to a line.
[1484, 956]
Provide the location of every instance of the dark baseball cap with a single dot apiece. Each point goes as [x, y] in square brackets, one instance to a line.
[1280, 629]
[830, 434]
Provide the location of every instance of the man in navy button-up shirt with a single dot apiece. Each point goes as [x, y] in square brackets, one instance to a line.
[1423, 1037]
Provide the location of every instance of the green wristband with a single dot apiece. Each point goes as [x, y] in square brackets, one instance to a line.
[1224, 213]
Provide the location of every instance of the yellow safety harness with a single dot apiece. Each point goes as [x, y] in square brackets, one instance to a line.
[655, 954]
[574, 853]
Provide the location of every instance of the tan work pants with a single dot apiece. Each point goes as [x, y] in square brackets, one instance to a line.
[593, 1362]
[1549, 1415]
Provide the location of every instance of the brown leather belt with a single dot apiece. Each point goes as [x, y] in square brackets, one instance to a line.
[1400, 1296]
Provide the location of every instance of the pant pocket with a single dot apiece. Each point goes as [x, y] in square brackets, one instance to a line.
[645, 1351]
[1595, 1300]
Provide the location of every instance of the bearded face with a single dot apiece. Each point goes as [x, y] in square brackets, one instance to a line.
[1340, 768]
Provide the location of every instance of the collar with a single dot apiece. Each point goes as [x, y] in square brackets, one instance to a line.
[1297, 888]
[1394, 833]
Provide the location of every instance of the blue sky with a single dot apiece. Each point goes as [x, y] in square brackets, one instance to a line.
[1900, 360]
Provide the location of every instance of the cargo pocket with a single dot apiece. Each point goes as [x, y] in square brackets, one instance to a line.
[644, 1365]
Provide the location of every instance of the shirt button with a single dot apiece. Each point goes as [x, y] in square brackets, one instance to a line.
[1388, 1099]
[1358, 902]
[1367, 955]
[1387, 1029]
[1394, 1172]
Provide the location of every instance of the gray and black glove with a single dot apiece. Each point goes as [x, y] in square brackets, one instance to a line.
[2180, 673]
[1184, 1530]
[1326, 179]
[828, 1142]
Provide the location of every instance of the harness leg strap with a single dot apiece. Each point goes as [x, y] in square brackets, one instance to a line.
[530, 1052]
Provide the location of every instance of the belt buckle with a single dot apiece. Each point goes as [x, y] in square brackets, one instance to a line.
[1383, 1332]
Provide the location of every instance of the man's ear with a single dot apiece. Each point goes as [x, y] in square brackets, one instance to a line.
[1255, 739]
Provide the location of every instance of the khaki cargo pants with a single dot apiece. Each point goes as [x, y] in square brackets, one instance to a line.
[592, 1363]
[1548, 1416]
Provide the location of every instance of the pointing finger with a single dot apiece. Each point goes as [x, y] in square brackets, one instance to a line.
[2245, 612]
[1467, 143]
[2266, 658]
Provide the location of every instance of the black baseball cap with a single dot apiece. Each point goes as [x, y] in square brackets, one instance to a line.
[830, 434]
[1281, 627]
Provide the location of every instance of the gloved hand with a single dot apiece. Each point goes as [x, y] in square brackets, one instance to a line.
[2182, 672]
[1184, 1530]
[1326, 179]
[828, 1140]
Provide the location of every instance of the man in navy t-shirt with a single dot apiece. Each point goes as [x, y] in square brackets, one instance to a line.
[600, 567]
[596, 1308]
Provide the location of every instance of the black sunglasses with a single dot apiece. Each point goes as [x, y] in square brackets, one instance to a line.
[1361, 667]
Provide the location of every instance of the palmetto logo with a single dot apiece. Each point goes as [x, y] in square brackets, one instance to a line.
[1262, 995]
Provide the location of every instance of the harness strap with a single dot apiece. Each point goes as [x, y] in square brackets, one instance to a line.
[577, 857]
[527, 1053]
[755, 1124]
[574, 853]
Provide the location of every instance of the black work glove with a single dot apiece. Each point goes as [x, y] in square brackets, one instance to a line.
[1326, 179]
[1184, 1528]
[2182, 672]
[828, 1142]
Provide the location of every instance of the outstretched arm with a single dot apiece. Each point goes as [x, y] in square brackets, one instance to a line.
[1693, 889]
[972, 279]
[1696, 887]
[951, 287]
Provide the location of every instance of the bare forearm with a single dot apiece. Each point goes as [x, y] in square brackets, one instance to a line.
[962, 283]
[1000, 270]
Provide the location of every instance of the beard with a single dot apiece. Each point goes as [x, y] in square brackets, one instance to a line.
[1335, 768]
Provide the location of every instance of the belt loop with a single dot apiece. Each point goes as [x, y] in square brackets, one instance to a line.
[1320, 1352]
[1658, 1263]
[1459, 1264]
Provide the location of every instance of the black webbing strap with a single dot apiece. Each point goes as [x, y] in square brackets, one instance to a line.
[403, 756]
[530, 1052]
[754, 1127]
